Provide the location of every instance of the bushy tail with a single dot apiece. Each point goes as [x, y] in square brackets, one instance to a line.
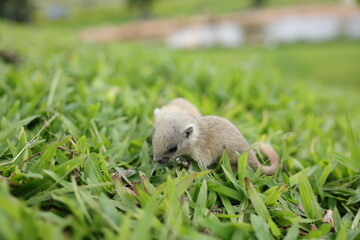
[273, 157]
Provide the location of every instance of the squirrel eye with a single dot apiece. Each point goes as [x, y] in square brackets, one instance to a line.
[172, 149]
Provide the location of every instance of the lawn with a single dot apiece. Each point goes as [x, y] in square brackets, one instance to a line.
[333, 63]
[75, 142]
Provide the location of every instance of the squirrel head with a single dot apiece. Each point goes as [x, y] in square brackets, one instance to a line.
[174, 135]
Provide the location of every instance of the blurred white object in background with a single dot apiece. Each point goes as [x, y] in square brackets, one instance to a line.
[228, 34]
[192, 37]
[223, 34]
[348, 1]
[302, 28]
[352, 27]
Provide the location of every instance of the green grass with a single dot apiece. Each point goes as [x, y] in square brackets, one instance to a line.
[332, 63]
[88, 174]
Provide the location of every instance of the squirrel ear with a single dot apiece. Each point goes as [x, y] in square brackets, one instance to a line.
[188, 130]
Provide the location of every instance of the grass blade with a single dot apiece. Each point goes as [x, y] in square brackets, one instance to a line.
[232, 179]
[260, 207]
[226, 191]
[144, 225]
[257, 201]
[273, 194]
[292, 233]
[320, 232]
[229, 208]
[261, 228]
[200, 204]
[54, 84]
[342, 234]
[351, 163]
[308, 199]
[356, 221]
[242, 165]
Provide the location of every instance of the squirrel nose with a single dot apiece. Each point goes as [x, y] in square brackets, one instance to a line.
[161, 159]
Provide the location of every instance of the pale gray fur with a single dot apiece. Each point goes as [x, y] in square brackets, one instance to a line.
[208, 136]
[178, 105]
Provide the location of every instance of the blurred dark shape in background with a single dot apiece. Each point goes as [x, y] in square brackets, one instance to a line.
[10, 57]
[258, 3]
[143, 7]
[17, 10]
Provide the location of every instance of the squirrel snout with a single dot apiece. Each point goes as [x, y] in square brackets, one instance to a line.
[161, 159]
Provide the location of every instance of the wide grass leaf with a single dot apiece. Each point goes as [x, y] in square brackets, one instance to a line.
[257, 200]
[349, 162]
[292, 233]
[226, 191]
[201, 201]
[353, 144]
[325, 173]
[145, 223]
[242, 165]
[342, 234]
[273, 194]
[229, 208]
[308, 199]
[260, 207]
[233, 180]
[261, 227]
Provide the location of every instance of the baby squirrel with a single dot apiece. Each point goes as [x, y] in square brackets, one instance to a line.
[183, 131]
